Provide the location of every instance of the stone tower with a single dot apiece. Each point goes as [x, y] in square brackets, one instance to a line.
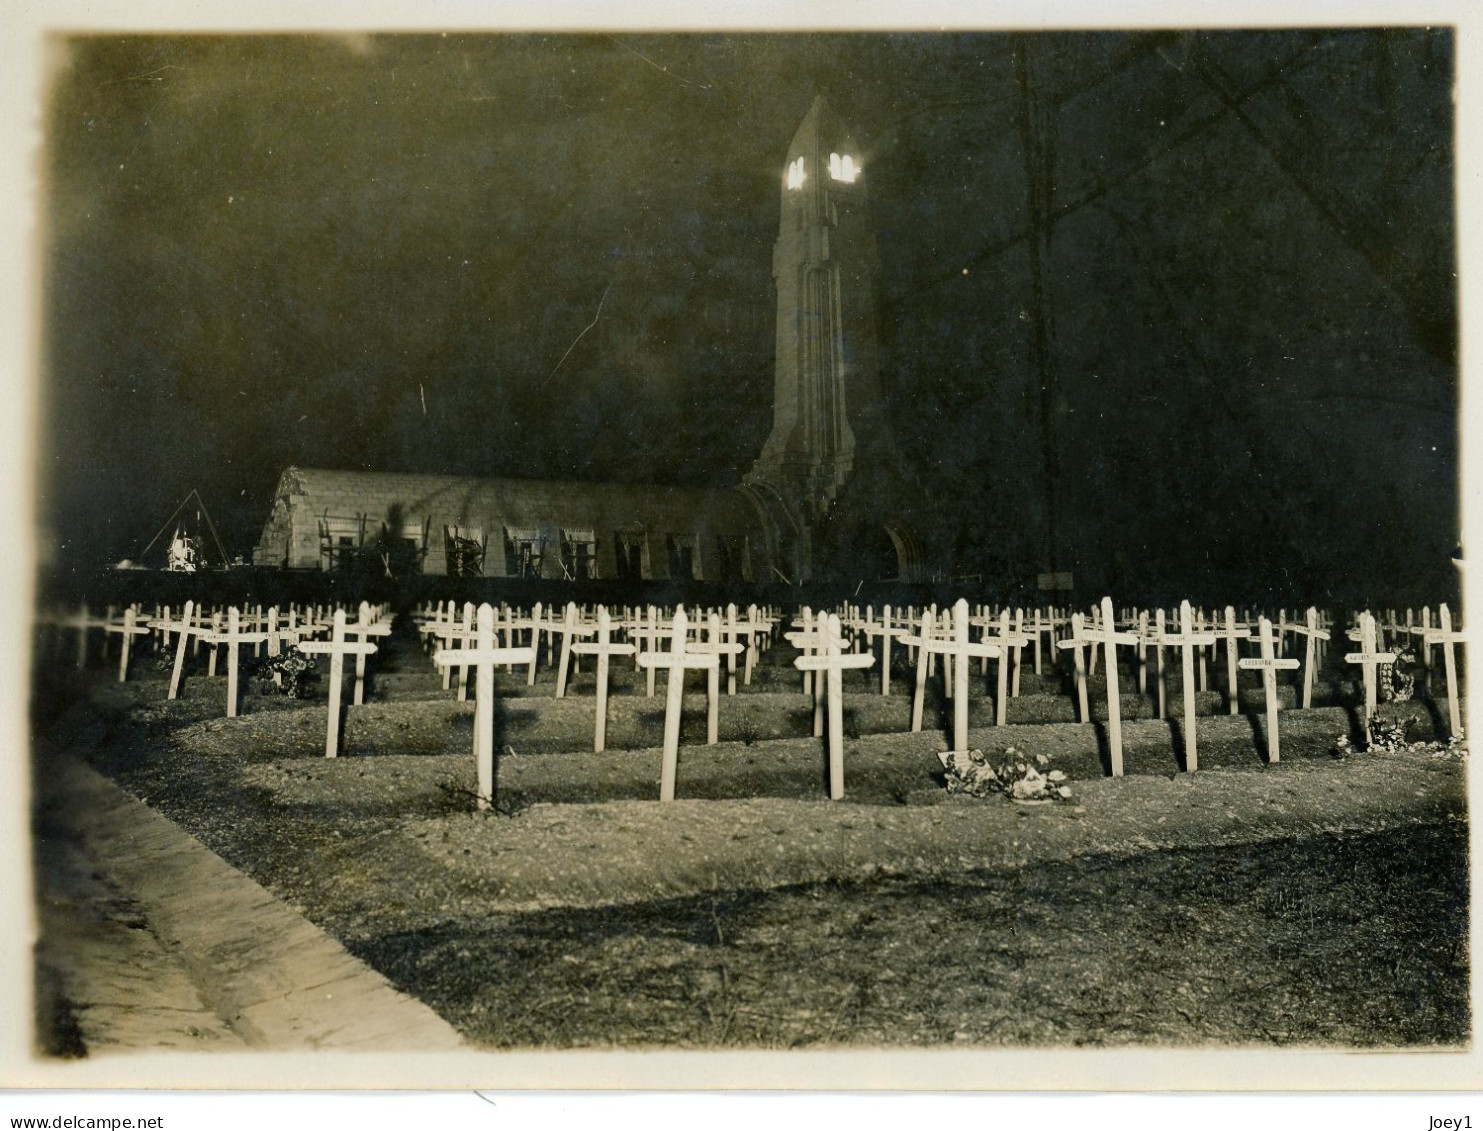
[828, 412]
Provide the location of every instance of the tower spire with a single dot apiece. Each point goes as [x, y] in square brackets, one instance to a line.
[825, 378]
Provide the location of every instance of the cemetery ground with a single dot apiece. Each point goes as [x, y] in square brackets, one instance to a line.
[1321, 900]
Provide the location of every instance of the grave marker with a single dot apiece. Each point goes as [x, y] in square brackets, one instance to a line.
[1314, 635]
[568, 627]
[1268, 663]
[1108, 636]
[1230, 634]
[127, 629]
[233, 637]
[715, 646]
[337, 648]
[1078, 659]
[483, 656]
[603, 647]
[1369, 659]
[960, 649]
[186, 627]
[366, 626]
[1444, 636]
[1187, 639]
[830, 659]
[677, 661]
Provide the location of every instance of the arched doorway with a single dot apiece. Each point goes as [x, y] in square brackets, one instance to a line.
[867, 551]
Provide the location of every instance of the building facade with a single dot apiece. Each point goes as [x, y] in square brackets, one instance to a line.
[821, 498]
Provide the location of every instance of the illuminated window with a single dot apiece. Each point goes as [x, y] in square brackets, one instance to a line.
[795, 174]
[843, 168]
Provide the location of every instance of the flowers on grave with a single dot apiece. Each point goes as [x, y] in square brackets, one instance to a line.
[1397, 683]
[1021, 777]
[295, 673]
[1388, 735]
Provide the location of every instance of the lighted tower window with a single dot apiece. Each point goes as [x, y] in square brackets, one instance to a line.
[795, 174]
[843, 168]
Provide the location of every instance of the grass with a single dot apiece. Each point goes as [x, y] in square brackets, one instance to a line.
[1356, 939]
[1329, 941]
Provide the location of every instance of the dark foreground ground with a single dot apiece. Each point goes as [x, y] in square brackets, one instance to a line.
[1320, 901]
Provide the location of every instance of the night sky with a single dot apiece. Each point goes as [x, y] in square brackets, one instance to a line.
[1176, 310]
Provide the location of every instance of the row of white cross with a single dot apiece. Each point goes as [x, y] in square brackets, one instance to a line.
[821, 639]
[743, 635]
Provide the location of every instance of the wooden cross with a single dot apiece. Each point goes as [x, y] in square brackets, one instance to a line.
[337, 648]
[127, 629]
[1144, 637]
[886, 631]
[232, 638]
[603, 647]
[961, 650]
[715, 646]
[1370, 659]
[805, 638]
[483, 657]
[1075, 644]
[186, 626]
[1444, 636]
[648, 637]
[758, 629]
[926, 634]
[1009, 644]
[1201, 653]
[1187, 639]
[1108, 636]
[735, 632]
[1230, 634]
[1314, 634]
[367, 626]
[831, 660]
[1268, 662]
[1424, 631]
[677, 661]
[569, 626]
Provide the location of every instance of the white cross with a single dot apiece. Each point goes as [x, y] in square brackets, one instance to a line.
[1269, 663]
[1076, 643]
[926, 633]
[714, 645]
[1108, 636]
[337, 648]
[1369, 658]
[758, 629]
[365, 626]
[483, 656]
[603, 647]
[128, 629]
[1010, 644]
[647, 638]
[232, 638]
[1231, 633]
[887, 632]
[568, 627]
[1310, 653]
[1444, 636]
[677, 661]
[961, 650]
[831, 659]
[1187, 639]
[187, 627]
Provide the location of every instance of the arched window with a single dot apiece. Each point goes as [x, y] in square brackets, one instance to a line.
[795, 174]
[843, 168]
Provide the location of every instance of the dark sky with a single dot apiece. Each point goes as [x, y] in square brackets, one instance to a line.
[1212, 274]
